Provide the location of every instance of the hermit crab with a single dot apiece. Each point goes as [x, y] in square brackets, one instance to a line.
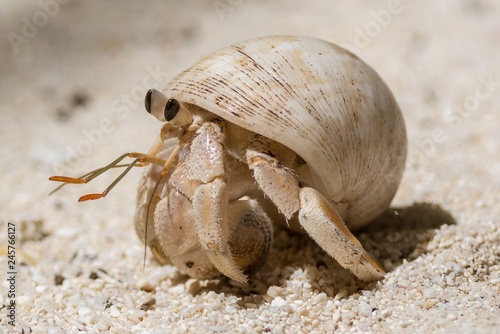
[285, 129]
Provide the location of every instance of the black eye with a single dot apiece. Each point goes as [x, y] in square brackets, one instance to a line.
[171, 109]
[147, 100]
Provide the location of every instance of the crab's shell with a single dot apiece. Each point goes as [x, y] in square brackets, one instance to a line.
[319, 100]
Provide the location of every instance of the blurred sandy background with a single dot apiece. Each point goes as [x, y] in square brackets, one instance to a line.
[73, 74]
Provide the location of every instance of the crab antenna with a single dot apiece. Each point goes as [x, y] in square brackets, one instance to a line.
[141, 159]
[164, 172]
[90, 175]
[147, 218]
[114, 183]
[60, 178]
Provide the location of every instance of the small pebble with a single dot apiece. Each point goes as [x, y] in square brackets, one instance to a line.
[84, 311]
[278, 302]
[114, 312]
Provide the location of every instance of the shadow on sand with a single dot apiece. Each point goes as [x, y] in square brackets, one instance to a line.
[401, 233]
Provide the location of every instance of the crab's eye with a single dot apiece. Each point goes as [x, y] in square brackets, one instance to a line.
[147, 100]
[171, 109]
[167, 110]
[157, 105]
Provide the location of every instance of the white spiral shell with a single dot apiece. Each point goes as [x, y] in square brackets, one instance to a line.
[316, 98]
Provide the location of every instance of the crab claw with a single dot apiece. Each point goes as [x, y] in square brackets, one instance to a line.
[249, 238]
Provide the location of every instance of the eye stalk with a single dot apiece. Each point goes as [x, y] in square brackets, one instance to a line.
[167, 110]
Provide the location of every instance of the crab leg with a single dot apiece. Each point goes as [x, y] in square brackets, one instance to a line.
[315, 213]
[211, 198]
[322, 222]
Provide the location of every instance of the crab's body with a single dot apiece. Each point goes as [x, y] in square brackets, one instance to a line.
[276, 129]
[207, 215]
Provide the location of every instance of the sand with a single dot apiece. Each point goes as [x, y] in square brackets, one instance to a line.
[72, 79]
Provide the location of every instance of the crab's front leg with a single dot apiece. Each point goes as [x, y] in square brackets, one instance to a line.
[210, 199]
[315, 213]
[204, 179]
